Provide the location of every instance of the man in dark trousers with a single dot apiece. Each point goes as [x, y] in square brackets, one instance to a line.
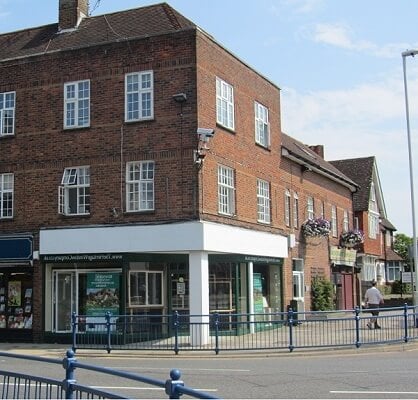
[373, 299]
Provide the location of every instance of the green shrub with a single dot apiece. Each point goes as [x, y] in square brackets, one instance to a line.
[322, 294]
[401, 288]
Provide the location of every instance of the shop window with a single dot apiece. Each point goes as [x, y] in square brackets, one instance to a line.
[145, 288]
[16, 301]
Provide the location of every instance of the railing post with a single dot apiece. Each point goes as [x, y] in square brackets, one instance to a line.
[290, 324]
[173, 383]
[68, 364]
[405, 321]
[109, 339]
[74, 331]
[216, 316]
[176, 332]
[357, 319]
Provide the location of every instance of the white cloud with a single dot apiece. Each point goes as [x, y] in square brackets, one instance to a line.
[340, 35]
[361, 121]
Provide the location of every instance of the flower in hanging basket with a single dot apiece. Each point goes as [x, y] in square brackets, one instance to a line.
[352, 238]
[316, 227]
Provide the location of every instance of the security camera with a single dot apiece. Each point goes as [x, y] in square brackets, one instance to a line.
[208, 133]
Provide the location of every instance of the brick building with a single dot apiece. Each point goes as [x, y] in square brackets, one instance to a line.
[144, 171]
[376, 257]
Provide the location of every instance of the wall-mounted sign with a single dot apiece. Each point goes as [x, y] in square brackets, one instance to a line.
[16, 249]
[343, 256]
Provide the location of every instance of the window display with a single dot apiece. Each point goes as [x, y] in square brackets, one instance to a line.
[15, 301]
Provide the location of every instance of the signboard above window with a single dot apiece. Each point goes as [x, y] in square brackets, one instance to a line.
[16, 249]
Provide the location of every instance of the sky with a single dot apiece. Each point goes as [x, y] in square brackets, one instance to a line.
[338, 64]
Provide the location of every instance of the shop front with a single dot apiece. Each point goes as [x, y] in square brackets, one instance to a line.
[16, 288]
[152, 271]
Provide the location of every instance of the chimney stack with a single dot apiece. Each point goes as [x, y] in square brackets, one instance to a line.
[318, 149]
[71, 12]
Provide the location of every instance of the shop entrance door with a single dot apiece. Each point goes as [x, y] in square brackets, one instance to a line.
[65, 300]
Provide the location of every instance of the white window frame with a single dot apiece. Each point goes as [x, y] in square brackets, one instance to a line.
[295, 210]
[287, 202]
[225, 104]
[148, 287]
[74, 180]
[140, 187]
[6, 195]
[77, 104]
[394, 271]
[262, 126]
[346, 224]
[373, 219]
[139, 96]
[310, 207]
[334, 221]
[263, 201]
[7, 113]
[226, 190]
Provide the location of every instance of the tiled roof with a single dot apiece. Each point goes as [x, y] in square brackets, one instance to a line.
[360, 170]
[391, 255]
[387, 224]
[119, 26]
[308, 157]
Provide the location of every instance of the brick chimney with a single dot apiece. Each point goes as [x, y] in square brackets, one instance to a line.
[71, 12]
[318, 149]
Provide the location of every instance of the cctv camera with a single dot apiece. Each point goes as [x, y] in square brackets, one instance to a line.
[205, 132]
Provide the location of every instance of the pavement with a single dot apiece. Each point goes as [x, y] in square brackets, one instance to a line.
[59, 351]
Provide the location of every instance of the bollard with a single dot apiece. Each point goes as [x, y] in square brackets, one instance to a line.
[68, 364]
[172, 384]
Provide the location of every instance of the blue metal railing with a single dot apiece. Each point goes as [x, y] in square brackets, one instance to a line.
[217, 332]
[24, 386]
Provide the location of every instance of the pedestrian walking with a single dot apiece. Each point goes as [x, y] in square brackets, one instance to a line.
[373, 299]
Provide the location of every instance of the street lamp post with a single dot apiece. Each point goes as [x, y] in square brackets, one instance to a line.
[411, 53]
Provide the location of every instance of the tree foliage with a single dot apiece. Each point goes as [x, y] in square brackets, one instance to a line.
[401, 245]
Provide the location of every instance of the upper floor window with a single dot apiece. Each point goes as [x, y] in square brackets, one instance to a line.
[310, 207]
[7, 113]
[262, 131]
[345, 221]
[6, 195]
[295, 210]
[373, 224]
[334, 222]
[226, 190]
[74, 191]
[140, 186]
[287, 207]
[139, 96]
[263, 201]
[225, 104]
[77, 104]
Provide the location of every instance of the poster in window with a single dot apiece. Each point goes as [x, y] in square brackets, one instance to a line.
[102, 293]
[28, 293]
[2, 321]
[15, 293]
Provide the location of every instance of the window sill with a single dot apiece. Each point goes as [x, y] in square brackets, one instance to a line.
[138, 212]
[75, 128]
[65, 216]
[267, 148]
[230, 130]
[133, 121]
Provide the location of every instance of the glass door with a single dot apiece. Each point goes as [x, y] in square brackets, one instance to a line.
[65, 300]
